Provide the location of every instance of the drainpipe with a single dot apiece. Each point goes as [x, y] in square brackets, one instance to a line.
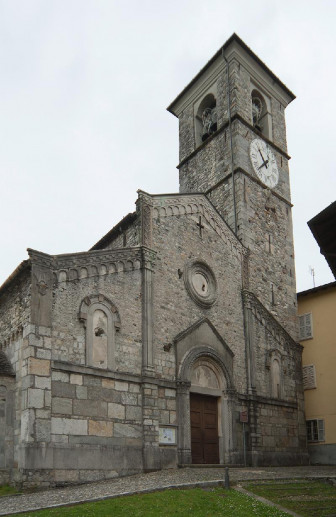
[231, 145]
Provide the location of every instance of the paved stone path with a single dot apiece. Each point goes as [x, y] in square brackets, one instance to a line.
[153, 481]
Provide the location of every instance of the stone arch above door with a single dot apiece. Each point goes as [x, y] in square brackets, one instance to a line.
[202, 340]
[205, 374]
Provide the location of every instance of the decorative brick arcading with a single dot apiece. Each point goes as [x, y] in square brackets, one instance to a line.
[267, 320]
[197, 204]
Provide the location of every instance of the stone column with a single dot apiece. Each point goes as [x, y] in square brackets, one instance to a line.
[150, 413]
[183, 420]
[144, 208]
[35, 384]
[148, 257]
[41, 297]
[249, 344]
[228, 406]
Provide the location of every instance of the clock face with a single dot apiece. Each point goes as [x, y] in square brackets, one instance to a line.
[264, 163]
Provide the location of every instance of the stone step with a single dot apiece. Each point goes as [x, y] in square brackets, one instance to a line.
[209, 466]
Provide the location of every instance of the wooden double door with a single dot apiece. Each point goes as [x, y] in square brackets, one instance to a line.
[204, 429]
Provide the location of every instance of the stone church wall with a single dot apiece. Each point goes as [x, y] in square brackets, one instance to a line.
[7, 422]
[103, 417]
[15, 308]
[69, 404]
[178, 242]
[123, 290]
[14, 317]
[278, 441]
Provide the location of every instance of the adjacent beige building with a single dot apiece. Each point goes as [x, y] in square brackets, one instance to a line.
[317, 316]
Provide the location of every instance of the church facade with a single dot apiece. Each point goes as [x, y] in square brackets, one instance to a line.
[173, 340]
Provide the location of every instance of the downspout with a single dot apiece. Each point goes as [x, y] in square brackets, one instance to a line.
[231, 145]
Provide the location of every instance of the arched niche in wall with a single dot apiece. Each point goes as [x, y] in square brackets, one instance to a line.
[101, 320]
[205, 117]
[274, 364]
[261, 112]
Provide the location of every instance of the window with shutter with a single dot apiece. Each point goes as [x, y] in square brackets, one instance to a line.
[309, 377]
[315, 430]
[305, 326]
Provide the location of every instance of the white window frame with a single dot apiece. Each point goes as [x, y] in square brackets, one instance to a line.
[305, 326]
[315, 430]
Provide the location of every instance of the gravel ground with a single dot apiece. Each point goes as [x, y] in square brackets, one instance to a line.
[149, 482]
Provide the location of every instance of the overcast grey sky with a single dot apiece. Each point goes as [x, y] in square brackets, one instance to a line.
[83, 91]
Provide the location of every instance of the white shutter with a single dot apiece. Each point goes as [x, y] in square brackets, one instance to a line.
[305, 326]
[309, 377]
[320, 424]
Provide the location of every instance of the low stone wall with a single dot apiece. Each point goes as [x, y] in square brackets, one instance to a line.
[4, 477]
[322, 454]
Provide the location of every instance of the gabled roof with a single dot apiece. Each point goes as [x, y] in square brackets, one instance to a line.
[313, 290]
[21, 267]
[237, 39]
[117, 229]
[323, 227]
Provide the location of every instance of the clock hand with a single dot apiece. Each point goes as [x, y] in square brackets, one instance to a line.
[263, 159]
[263, 165]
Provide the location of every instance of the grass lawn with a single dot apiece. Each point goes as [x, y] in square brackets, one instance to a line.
[197, 502]
[307, 498]
[7, 490]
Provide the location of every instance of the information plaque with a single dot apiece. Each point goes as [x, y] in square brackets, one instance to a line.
[167, 435]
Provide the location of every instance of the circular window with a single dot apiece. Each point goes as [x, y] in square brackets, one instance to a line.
[200, 283]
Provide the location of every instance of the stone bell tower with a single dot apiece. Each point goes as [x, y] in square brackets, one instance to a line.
[233, 149]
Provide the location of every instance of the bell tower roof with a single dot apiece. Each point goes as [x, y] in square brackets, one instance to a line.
[233, 48]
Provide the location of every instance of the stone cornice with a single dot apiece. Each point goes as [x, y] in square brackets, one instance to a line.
[75, 266]
[108, 374]
[97, 257]
[222, 128]
[148, 258]
[252, 178]
[259, 399]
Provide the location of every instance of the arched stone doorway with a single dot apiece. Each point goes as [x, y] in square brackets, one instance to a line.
[205, 396]
[206, 411]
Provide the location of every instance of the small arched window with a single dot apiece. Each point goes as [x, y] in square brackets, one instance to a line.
[276, 378]
[275, 363]
[206, 119]
[261, 118]
[101, 319]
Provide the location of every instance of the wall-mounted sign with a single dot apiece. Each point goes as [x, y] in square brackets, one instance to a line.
[167, 435]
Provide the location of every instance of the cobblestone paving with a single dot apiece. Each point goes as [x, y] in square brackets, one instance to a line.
[152, 481]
